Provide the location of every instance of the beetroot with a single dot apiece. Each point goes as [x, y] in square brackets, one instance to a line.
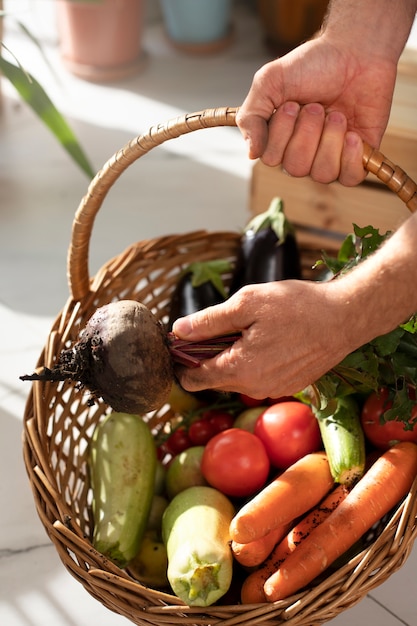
[125, 357]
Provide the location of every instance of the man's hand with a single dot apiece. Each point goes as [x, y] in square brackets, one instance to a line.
[310, 110]
[292, 333]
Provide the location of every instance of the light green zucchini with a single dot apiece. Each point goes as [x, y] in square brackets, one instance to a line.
[343, 439]
[122, 471]
[195, 530]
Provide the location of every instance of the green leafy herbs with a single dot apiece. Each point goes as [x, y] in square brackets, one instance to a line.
[388, 361]
[356, 247]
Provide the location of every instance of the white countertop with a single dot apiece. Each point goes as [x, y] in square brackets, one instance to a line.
[201, 182]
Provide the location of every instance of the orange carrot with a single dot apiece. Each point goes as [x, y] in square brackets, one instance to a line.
[253, 586]
[255, 552]
[378, 491]
[290, 495]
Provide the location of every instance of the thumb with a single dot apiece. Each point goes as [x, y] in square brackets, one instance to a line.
[254, 130]
[214, 321]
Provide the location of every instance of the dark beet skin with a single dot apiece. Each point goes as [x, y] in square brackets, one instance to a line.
[122, 356]
[130, 363]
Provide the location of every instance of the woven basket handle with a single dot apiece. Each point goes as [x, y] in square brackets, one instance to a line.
[78, 271]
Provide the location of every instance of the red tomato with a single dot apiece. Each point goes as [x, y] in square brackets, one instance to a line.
[178, 441]
[235, 462]
[200, 432]
[162, 452]
[221, 420]
[385, 435]
[280, 399]
[249, 401]
[288, 431]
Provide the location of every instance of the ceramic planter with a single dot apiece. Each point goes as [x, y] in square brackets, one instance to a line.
[198, 26]
[101, 41]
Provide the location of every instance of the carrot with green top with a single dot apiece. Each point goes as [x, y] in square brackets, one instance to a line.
[382, 487]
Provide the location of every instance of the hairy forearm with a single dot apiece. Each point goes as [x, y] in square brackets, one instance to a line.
[379, 27]
[380, 293]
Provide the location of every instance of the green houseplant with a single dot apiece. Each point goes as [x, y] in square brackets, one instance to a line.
[35, 96]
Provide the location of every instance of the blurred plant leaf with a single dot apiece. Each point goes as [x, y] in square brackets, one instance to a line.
[36, 43]
[35, 96]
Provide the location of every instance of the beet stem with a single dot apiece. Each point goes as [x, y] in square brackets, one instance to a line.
[191, 353]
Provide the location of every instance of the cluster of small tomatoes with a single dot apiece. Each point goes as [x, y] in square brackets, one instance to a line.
[210, 422]
[243, 446]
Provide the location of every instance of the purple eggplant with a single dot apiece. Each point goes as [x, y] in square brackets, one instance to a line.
[268, 250]
[200, 286]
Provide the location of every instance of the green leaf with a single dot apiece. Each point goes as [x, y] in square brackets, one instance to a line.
[357, 381]
[411, 325]
[322, 392]
[332, 264]
[356, 246]
[387, 344]
[34, 95]
[210, 271]
[36, 43]
[369, 238]
[402, 407]
[347, 249]
[338, 410]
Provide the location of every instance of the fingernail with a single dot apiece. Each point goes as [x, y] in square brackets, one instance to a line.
[314, 108]
[182, 327]
[291, 108]
[336, 118]
[352, 139]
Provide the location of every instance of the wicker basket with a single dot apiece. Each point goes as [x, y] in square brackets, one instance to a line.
[59, 420]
